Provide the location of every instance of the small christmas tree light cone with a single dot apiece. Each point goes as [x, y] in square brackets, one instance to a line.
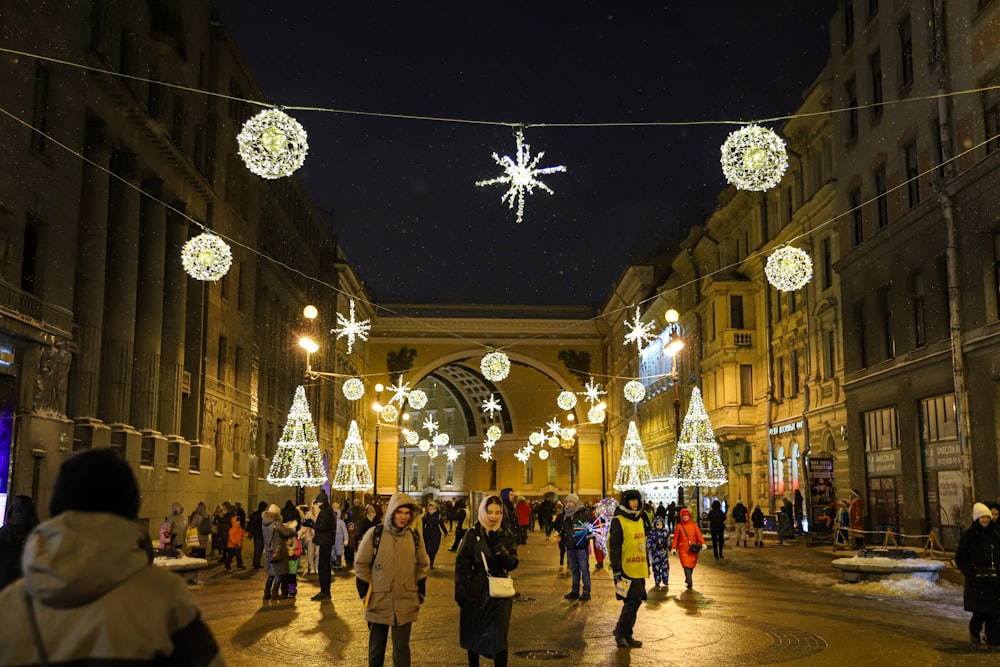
[353, 473]
[298, 461]
[697, 462]
[633, 469]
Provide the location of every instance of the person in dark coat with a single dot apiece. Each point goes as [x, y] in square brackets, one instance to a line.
[978, 558]
[462, 521]
[256, 530]
[717, 527]
[20, 520]
[369, 521]
[740, 514]
[484, 621]
[433, 530]
[325, 527]
[276, 533]
[671, 516]
[509, 513]
[757, 520]
[290, 513]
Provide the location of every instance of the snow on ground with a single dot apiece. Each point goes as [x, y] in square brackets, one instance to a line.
[885, 564]
[916, 585]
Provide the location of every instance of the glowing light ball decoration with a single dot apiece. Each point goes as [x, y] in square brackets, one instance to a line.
[389, 414]
[634, 391]
[441, 440]
[272, 144]
[353, 389]
[788, 268]
[206, 257]
[754, 158]
[566, 400]
[495, 366]
[595, 415]
[432, 452]
[412, 438]
[424, 445]
[543, 454]
[417, 399]
[553, 442]
[494, 433]
[567, 434]
[536, 438]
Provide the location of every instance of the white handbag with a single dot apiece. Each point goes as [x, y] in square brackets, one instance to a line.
[500, 587]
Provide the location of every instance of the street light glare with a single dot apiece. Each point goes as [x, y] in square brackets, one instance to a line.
[675, 345]
[308, 344]
[379, 387]
[310, 312]
[672, 316]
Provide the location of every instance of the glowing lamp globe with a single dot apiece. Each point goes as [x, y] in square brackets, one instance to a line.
[495, 366]
[566, 400]
[441, 440]
[206, 257]
[567, 434]
[754, 158]
[353, 389]
[536, 438]
[553, 442]
[417, 399]
[272, 144]
[634, 391]
[788, 268]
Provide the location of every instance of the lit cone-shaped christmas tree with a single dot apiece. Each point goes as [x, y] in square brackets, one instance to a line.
[353, 473]
[697, 461]
[633, 469]
[298, 461]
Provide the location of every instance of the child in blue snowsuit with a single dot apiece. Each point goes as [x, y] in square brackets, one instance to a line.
[657, 549]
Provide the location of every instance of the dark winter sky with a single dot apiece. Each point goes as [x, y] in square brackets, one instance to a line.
[401, 193]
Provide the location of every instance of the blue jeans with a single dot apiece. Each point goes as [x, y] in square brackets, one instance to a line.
[579, 564]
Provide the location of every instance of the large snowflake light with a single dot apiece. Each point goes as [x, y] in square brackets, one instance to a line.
[553, 427]
[788, 268]
[495, 366]
[351, 328]
[754, 158]
[593, 392]
[400, 391]
[206, 257]
[431, 425]
[492, 405]
[451, 453]
[272, 144]
[486, 454]
[639, 333]
[520, 175]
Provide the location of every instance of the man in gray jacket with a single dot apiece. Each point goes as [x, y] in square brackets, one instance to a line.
[392, 568]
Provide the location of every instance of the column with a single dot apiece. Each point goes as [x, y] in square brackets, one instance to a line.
[174, 323]
[149, 306]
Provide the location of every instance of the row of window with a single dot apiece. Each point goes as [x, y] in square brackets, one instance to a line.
[880, 190]
[938, 422]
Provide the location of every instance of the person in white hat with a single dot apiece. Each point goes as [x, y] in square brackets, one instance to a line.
[977, 557]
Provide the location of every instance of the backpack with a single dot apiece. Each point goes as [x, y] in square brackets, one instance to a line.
[204, 526]
[364, 588]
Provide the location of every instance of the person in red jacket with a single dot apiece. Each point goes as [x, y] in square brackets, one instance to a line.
[688, 535]
[523, 510]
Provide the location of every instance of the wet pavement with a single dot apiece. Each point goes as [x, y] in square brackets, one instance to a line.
[775, 605]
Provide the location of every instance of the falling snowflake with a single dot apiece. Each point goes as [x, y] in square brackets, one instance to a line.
[492, 405]
[521, 175]
[400, 391]
[554, 427]
[594, 392]
[352, 328]
[451, 453]
[639, 332]
[430, 425]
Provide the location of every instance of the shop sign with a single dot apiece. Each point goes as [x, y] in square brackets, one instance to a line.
[785, 428]
[945, 455]
[884, 464]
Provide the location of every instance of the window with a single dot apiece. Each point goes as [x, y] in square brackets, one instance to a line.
[830, 357]
[432, 473]
[859, 331]
[856, 216]
[881, 197]
[746, 384]
[789, 203]
[885, 307]
[552, 470]
[906, 52]
[220, 370]
[937, 418]
[875, 70]
[450, 472]
[414, 475]
[147, 451]
[173, 454]
[793, 373]
[194, 462]
[848, 23]
[736, 312]
[793, 301]
[912, 166]
[827, 256]
[881, 430]
[529, 472]
[40, 110]
[919, 304]
[238, 361]
[851, 90]
[29, 258]
[780, 376]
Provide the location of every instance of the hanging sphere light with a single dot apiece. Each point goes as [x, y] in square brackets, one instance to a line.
[494, 433]
[424, 445]
[272, 144]
[412, 438]
[432, 452]
[543, 454]
[417, 399]
[566, 400]
[441, 440]
[495, 366]
[353, 389]
[634, 391]
[595, 415]
[553, 442]
[567, 434]
[390, 414]
[206, 257]
[788, 268]
[536, 438]
[754, 158]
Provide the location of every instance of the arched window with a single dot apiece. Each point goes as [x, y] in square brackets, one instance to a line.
[793, 467]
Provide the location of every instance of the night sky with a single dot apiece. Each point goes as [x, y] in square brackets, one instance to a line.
[401, 194]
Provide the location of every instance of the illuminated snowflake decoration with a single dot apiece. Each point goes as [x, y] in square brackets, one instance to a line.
[353, 389]
[566, 400]
[788, 268]
[595, 415]
[495, 366]
[351, 328]
[272, 144]
[634, 391]
[594, 392]
[521, 175]
[432, 452]
[412, 438]
[206, 257]
[553, 427]
[543, 454]
[639, 333]
[417, 399]
[486, 454]
[522, 456]
[754, 158]
[390, 413]
[451, 454]
[400, 391]
[528, 449]
[424, 445]
[494, 433]
[536, 438]
[492, 405]
[441, 439]
[430, 425]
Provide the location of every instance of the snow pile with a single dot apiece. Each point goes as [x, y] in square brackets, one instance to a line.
[885, 564]
[916, 585]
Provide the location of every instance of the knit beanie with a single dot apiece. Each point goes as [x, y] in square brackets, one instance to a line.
[321, 497]
[979, 509]
[97, 480]
[572, 498]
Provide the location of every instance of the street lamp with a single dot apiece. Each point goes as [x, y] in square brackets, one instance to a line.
[674, 345]
[377, 407]
[570, 451]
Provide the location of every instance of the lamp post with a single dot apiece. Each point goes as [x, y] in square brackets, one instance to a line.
[311, 347]
[570, 451]
[377, 407]
[674, 345]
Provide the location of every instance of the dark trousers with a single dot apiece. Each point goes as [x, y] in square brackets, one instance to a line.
[500, 660]
[718, 541]
[630, 607]
[258, 551]
[323, 565]
[459, 534]
[234, 552]
[378, 637]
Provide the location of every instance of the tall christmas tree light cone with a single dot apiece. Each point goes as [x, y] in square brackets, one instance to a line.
[697, 462]
[633, 469]
[298, 461]
[353, 473]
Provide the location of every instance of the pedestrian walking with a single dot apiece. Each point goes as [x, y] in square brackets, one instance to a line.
[857, 520]
[462, 523]
[234, 548]
[509, 513]
[488, 549]
[200, 520]
[574, 516]
[351, 545]
[369, 521]
[307, 564]
[523, 511]
[740, 522]
[276, 533]
[19, 520]
[978, 558]
[339, 537]
[90, 593]
[842, 525]
[717, 528]
[786, 519]
[629, 565]
[392, 567]
[557, 526]
[671, 516]
[324, 536]
[545, 510]
[757, 520]
[434, 529]
[658, 550]
[798, 506]
[688, 543]
[256, 529]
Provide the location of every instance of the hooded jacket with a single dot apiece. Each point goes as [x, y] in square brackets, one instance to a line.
[178, 525]
[397, 573]
[98, 599]
[687, 533]
[271, 522]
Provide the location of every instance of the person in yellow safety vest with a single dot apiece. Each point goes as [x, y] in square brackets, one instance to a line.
[627, 552]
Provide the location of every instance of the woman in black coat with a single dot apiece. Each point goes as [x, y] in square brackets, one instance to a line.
[717, 526]
[484, 621]
[21, 519]
[978, 557]
[433, 530]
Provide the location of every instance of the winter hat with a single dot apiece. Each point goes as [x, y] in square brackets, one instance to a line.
[572, 498]
[979, 509]
[96, 480]
[685, 512]
[631, 494]
[273, 509]
[321, 497]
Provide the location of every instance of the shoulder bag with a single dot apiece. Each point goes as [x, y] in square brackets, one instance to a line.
[500, 587]
[692, 547]
[277, 553]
